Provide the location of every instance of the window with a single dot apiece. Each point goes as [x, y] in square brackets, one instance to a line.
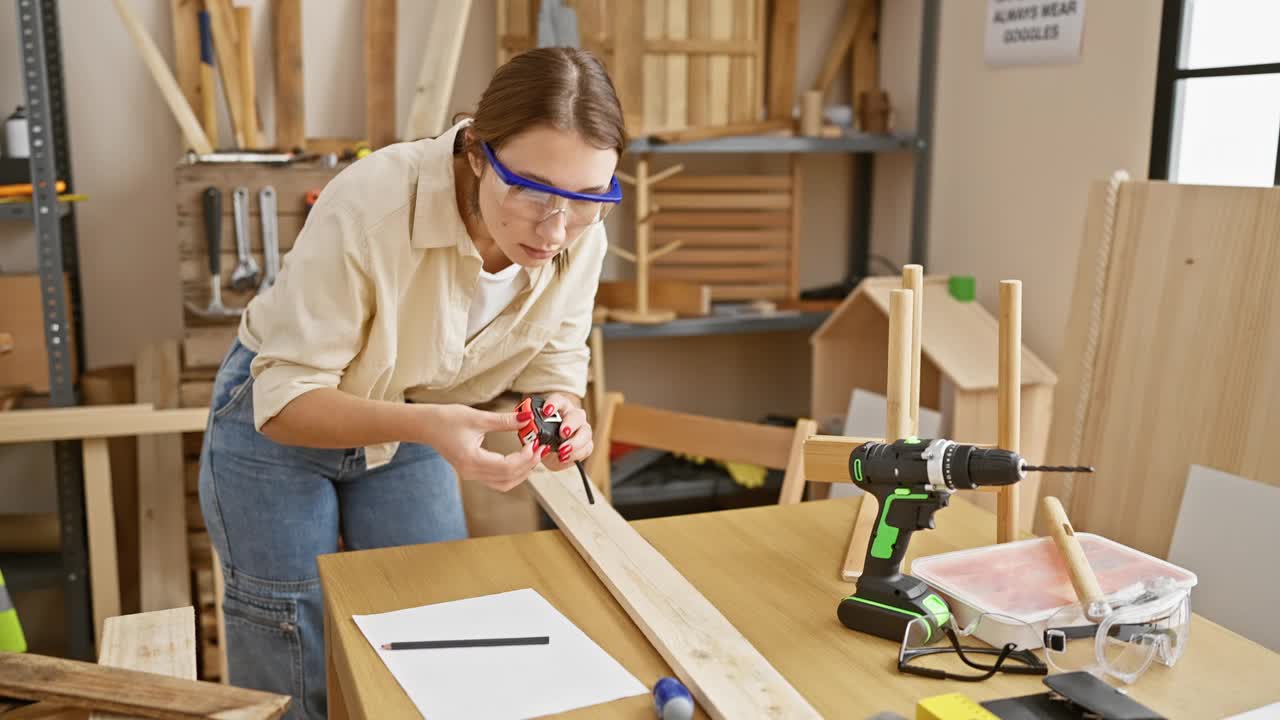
[1217, 113]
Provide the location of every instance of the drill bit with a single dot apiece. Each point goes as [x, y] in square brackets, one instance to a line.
[1059, 468]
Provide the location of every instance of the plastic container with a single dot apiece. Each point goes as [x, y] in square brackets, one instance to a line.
[1027, 580]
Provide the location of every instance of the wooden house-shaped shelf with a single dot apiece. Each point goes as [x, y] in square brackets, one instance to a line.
[958, 371]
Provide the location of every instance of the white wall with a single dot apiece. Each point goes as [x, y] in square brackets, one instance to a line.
[1016, 149]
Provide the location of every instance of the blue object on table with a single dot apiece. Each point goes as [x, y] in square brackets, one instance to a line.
[672, 700]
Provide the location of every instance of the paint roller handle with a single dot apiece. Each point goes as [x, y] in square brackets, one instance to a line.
[1064, 536]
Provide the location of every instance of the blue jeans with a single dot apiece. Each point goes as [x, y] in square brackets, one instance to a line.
[272, 508]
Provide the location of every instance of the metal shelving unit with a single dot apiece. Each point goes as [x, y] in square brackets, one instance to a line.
[40, 48]
[864, 147]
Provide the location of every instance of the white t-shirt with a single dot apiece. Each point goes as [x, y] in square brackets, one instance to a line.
[494, 292]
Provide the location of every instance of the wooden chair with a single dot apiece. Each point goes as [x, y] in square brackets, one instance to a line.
[774, 447]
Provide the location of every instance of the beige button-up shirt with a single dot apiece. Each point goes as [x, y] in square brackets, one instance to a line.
[374, 295]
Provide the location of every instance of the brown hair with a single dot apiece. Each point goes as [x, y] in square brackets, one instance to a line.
[565, 88]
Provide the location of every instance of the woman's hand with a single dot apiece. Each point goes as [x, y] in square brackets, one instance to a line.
[575, 433]
[457, 431]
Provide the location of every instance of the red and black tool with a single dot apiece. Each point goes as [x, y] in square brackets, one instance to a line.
[546, 430]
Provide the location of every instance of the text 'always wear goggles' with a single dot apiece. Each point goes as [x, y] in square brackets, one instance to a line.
[535, 201]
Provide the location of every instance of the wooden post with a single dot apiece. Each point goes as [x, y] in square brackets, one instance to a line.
[1009, 396]
[248, 91]
[286, 28]
[913, 280]
[897, 419]
[104, 574]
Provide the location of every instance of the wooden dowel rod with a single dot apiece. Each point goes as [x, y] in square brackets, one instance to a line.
[1009, 401]
[897, 420]
[913, 280]
[1064, 536]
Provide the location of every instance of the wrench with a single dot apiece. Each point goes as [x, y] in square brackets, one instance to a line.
[246, 272]
[270, 240]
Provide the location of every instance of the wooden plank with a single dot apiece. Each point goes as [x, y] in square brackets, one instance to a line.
[628, 63]
[708, 132]
[687, 182]
[793, 481]
[196, 394]
[740, 49]
[722, 201]
[733, 440]
[864, 76]
[783, 27]
[677, 66]
[290, 182]
[840, 44]
[793, 242]
[184, 16]
[243, 15]
[286, 45]
[163, 567]
[718, 65]
[181, 110]
[442, 48]
[699, 85]
[725, 257]
[104, 571]
[655, 66]
[686, 299]
[723, 238]
[380, 72]
[222, 22]
[131, 692]
[75, 423]
[721, 274]
[205, 347]
[723, 220]
[734, 292]
[193, 245]
[30, 532]
[727, 676]
[740, 99]
[161, 642]
[1187, 351]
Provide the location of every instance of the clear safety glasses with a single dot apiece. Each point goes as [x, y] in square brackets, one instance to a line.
[936, 646]
[534, 201]
[1124, 634]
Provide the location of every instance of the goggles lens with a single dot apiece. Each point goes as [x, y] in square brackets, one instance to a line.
[1125, 640]
[534, 201]
[538, 205]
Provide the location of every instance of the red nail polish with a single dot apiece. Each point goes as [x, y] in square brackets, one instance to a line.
[548, 409]
[565, 451]
[545, 449]
[536, 445]
[524, 416]
[565, 432]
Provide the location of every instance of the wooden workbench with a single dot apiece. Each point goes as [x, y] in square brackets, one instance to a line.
[772, 571]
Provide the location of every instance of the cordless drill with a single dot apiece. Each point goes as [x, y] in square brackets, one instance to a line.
[914, 478]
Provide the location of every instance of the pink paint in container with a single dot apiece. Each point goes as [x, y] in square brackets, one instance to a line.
[1027, 580]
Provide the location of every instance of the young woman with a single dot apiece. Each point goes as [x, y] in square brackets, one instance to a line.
[430, 277]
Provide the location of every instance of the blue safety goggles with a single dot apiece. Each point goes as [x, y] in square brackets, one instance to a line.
[537, 201]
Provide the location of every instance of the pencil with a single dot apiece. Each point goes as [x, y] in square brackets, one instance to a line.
[473, 642]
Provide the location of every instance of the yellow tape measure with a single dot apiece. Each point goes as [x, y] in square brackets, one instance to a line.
[952, 706]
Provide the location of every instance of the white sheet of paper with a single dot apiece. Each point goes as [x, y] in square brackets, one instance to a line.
[570, 672]
[865, 418]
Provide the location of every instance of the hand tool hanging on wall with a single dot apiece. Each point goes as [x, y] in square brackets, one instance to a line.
[245, 274]
[270, 239]
[213, 236]
[912, 479]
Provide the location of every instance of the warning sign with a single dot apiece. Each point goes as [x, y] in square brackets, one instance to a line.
[1026, 32]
